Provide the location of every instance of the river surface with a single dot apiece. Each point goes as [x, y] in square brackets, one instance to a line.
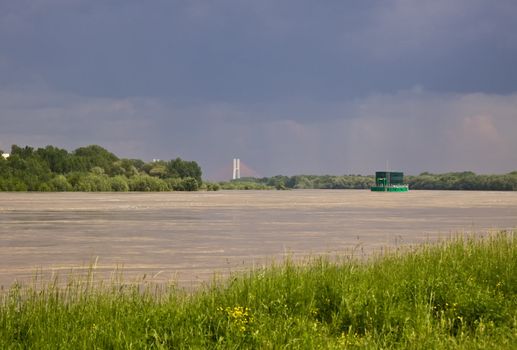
[189, 237]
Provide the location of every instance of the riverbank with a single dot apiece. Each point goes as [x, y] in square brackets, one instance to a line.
[457, 294]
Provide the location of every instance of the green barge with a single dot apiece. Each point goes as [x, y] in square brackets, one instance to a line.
[389, 181]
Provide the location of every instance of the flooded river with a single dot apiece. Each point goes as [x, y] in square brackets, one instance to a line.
[191, 236]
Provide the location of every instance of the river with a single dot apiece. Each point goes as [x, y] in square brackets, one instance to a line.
[189, 237]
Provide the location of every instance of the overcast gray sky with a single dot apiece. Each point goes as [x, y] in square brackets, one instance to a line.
[289, 86]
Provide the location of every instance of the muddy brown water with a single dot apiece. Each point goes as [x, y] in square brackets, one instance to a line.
[189, 237]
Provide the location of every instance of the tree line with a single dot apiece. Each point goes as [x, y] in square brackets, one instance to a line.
[425, 181]
[466, 180]
[93, 168]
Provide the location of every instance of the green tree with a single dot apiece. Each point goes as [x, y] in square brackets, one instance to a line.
[159, 169]
[22, 153]
[130, 167]
[85, 158]
[91, 168]
[182, 169]
[57, 160]
[28, 169]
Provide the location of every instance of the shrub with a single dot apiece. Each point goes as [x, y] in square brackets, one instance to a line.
[119, 184]
[12, 184]
[185, 184]
[60, 184]
[93, 183]
[45, 187]
[212, 186]
[189, 184]
[146, 183]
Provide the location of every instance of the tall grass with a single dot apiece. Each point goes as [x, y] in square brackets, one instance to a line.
[457, 294]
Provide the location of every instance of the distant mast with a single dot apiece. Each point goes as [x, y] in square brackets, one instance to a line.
[236, 169]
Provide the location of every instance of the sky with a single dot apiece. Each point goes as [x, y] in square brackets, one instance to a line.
[288, 86]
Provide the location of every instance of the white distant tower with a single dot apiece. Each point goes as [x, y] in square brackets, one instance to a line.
[236, 168]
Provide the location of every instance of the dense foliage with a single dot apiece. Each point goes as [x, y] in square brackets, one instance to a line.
[245, 185]
[464, 181]
[456, 295]
[281, 182]
[93, 168]
[426, 181]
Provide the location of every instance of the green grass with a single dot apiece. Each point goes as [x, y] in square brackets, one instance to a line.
[457, 294]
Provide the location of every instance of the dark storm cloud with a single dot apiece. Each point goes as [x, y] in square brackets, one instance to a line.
[258, 51]
[289, 86]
